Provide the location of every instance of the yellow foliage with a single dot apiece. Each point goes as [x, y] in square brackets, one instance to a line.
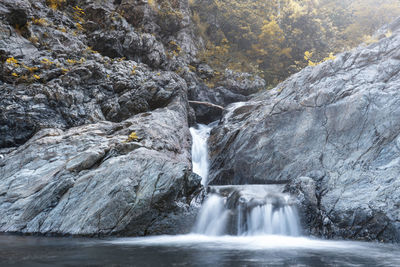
[270, 37]
[46, 61]
[90, 50]
[368, 39]
[37, 77]
[62, 29]
[14, 74]
[308, 56]
[78, 13]
[30, 69]
[133, 72]
[176, 49]
[40, 21]
[72, 61]
[12, 61]
[34, 39]
[54, 4]
[79, 26]
[132, 137]
[79, 10]
[330, 57]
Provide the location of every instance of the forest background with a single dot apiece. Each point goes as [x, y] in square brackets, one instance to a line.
[277, 38]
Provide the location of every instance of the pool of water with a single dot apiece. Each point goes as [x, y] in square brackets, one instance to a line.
[193, 250]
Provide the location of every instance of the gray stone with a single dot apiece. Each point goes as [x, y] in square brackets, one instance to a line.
[232, 87]
[337, 123]
[68, 106]
[91, 180]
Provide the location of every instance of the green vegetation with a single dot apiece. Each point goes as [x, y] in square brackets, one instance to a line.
[277, 38]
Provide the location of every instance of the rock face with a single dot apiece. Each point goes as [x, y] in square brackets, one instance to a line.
[332, 133]
[94, 136]
[232, 87]
[83, 62]
[94, 180]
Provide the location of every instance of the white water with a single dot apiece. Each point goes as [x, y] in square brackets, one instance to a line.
[213, 217]
[276, 217]
[200, 136]
[260, 242]
[260, 210]
[263, 220]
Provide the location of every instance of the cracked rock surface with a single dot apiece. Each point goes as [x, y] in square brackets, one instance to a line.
[75, 82]
[332, 133]
[91, 180]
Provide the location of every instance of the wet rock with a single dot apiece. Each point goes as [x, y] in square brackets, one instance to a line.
[336, 123]
[305, 190]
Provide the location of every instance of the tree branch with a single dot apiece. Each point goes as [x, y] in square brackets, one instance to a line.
[206, 104]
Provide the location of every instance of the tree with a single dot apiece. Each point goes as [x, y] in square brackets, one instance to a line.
[270, 38]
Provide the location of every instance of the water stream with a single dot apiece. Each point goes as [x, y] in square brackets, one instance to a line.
[200, 136]
[248, 210]
[247, 225]
[193, 250]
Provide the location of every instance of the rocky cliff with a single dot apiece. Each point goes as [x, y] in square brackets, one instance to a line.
[94, 116]
[332, 134]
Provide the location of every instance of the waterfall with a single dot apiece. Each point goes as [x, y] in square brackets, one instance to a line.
[275, 215]
[244, 210]
[267, 219]
[200, 136]
[213, 217]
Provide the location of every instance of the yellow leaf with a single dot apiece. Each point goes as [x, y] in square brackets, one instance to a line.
[12, 60]
[132, 137]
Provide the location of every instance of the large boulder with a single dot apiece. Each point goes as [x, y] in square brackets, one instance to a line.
[130, 178]
[337, 124]
[94, 136]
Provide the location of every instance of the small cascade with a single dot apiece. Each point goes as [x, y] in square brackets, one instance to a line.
[235, 210]
[244, 210]
[200, 136]
[213, 217]
[270, 218]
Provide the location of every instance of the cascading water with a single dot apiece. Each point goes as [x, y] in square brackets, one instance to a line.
[213, 217]
[240, 214]
[276, 217]
[245, 210]
[200, 136]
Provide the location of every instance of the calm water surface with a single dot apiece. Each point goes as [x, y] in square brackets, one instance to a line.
[193, 250]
